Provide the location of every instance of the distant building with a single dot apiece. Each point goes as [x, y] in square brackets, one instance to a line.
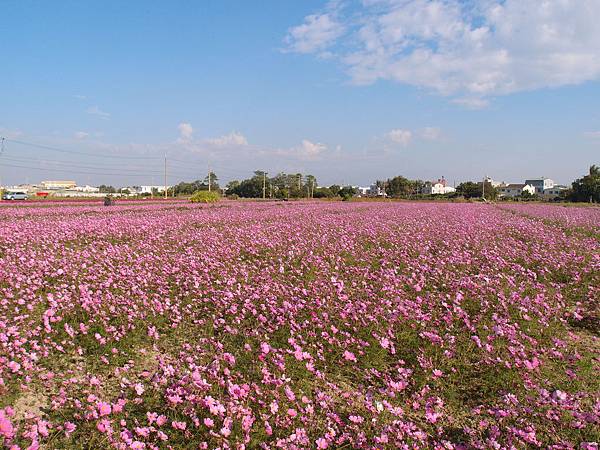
[540, 184]
[438, 187]
[86, 188]
[133, 190]
[553, 192]
[376, 191]
[361, 190]
[492, 182]
[150, 189]
[22, 188]
[514, 190]
[372, 191]
[57, 185]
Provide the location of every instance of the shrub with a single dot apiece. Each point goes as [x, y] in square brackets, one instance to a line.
[205, 197]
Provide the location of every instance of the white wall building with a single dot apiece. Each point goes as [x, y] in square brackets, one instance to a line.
[492, 182]
[438, 187]
[553, 192]
[514, 190]
[149, 189]
[58, 184]
[376, 191]
[371, 191]
[86, 188]
[540, 184]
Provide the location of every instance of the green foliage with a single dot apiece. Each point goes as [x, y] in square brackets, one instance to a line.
[280, 186]
[587, 188]
[347, 192]
[250, 188]
[399, 186]
[526, 195]
[184, 188]
[470, 189]
[107, 189]
[325, 192]
[205, 197]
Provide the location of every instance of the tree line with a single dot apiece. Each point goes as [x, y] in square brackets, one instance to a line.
[285, 186]
[298, 185]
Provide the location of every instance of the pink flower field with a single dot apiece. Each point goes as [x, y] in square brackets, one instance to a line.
[299, 325]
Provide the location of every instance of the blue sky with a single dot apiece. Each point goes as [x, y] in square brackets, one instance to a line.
[349, 91]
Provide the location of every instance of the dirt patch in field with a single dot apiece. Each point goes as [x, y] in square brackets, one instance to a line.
[29, 404]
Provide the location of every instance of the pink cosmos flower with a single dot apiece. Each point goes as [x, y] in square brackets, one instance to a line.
[139, 388]
[322, 443]
[265, 348]
[6, 428]
[179, 425]
[104, 409]
[349, 356]
[69, 428]
[161, 420]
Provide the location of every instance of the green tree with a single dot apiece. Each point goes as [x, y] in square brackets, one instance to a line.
[347, 192]
[398, 187]
[324, 192]
[310, 185]
[107, 189]
[587, 188]
[469, 189]
[231, 186]
[250, 188]
[214, 181]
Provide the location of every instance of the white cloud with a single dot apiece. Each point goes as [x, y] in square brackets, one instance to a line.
[315, 34]
[95, 111]
[306, 151]
[431, 133]
[470, 51]
[401, 137]
[80, 97]
[185, 131]
[81, 135]
[592, 134]
[310, 150]
[232, 139]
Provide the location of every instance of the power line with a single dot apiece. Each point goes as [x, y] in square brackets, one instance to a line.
[74, 152]
[108, 170]
[45, 169]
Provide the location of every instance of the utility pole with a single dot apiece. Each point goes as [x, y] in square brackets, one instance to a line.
[166, 176]
[1, 151]
[264, 185]
[483, 188]
[208, 178]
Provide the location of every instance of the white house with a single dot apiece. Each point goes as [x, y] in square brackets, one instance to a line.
[86, 188]
[514, 190]
[437, 187]
[58, 184]
[492, 182]
[553, 192]
[376, 191]
[149, 189]
[540, 184]
[371, 191]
